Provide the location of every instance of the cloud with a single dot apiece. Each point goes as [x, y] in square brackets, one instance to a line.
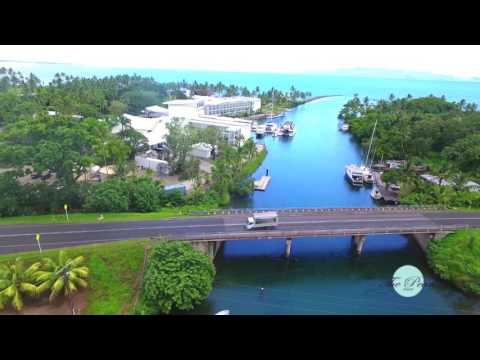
[458, 61]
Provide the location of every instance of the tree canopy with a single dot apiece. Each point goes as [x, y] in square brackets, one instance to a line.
[177, 278]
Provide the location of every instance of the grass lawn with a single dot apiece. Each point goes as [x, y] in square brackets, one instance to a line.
[456, 258]
[114, 273]
[93, 217]
[254, 164]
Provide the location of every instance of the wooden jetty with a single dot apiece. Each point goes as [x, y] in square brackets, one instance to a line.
[262, 184]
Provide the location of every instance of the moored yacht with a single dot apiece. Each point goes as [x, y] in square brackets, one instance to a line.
[367, 174]
[260, 131]
[270, 128]
[354, 175]
[288, 128]
[345, 127]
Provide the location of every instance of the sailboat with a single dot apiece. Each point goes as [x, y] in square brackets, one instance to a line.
[354, 171]
[367, 172]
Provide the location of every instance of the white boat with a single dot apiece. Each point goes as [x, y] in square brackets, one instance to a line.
[288, 128]
[270, 128]
[367, 174]
[260, 131]
[345, 127]
[223, 312]
[376, 194]
[354, 175]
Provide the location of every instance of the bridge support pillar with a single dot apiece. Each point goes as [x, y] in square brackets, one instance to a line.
[209, 248]
[358, 241]
[288, 248]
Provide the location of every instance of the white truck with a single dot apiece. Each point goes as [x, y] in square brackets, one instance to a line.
[262, 219]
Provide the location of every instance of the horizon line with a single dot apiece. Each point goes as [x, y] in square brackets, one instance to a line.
[331, 71]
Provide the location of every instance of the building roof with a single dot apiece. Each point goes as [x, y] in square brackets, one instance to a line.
[202, 146]
[435, 180]
[154, 129]
[471, 184]
[182, 102]
[157, 109]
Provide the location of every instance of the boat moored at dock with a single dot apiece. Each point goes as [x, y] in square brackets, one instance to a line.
[376, 194]
[270, 128]
[260, 130]
[354, 175]
[288, 128]
[367, 174]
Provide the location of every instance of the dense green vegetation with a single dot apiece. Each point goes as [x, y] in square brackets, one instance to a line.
[456, 258]
[177, 278]
[114, 273]
[56, 132]
[66, 276]
[430, 131]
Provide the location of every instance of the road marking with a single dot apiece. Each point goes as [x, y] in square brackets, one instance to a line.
[235, 224]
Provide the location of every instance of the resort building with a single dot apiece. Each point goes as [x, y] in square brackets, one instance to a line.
[202, 150]
[155, 111]
[154, 129]
[229, 105]
[195, 112]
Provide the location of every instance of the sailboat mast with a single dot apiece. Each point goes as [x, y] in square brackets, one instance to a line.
[371, 140]
[271, 114]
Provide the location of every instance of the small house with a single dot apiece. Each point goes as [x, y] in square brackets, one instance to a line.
[201, 150]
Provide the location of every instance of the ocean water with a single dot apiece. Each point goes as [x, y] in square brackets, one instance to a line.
[308, 171]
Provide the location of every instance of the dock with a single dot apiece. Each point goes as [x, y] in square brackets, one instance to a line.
[387, 195]
[261, 185]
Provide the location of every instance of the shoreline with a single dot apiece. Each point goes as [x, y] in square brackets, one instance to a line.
[265, 116]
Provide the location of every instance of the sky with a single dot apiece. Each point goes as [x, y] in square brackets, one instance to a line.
[460, 61]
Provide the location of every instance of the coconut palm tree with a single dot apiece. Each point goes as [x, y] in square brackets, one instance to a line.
[15, 281]
[66, 275]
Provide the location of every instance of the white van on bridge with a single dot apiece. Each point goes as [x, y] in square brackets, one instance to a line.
[262, 220]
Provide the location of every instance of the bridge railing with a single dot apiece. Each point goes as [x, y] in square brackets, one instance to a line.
[381, 209]
[282, 234]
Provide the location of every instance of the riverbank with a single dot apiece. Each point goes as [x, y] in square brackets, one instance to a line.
[266, 110]
[456, 259]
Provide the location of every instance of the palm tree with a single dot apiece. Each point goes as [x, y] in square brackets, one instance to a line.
[15, 281]
[66, 275]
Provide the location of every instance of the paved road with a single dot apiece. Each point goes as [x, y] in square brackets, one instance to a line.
[17, 238]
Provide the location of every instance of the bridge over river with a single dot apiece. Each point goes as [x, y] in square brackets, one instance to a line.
[207, 230]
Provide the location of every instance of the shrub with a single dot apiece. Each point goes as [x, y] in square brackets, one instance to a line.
[110, 196]
[144, 194]
[11, 190]
[177, 278]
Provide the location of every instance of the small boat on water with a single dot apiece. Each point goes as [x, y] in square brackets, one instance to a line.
[223, 312]
[345, 127]
[367, 174]
[376, 194]
[288, 128]
[270, 128]
[354, 175]
[260, 131]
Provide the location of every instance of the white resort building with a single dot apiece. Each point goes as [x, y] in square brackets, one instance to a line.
[201, 112]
